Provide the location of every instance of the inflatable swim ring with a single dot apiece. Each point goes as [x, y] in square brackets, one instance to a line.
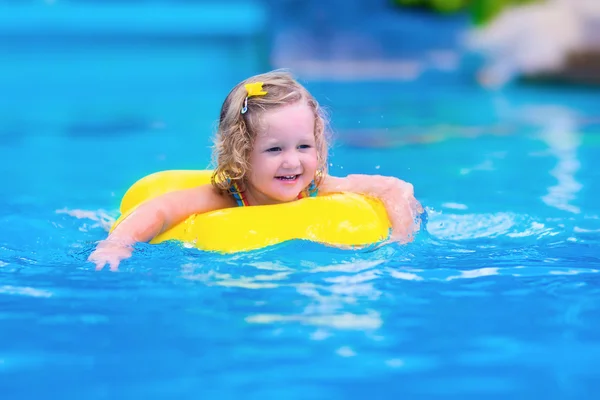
[339, 219]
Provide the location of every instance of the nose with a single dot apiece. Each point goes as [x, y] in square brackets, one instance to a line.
[291, 159]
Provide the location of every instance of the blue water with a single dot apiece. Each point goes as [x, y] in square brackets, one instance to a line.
[496, 299]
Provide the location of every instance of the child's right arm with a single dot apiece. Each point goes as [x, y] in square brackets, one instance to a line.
[154, 217]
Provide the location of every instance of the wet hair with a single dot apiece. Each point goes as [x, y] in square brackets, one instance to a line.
[237, 132]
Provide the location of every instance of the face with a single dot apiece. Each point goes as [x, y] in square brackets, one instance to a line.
[284, 158]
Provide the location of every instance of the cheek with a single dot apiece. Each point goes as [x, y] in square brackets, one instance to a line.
[313, 159]
[261, 165]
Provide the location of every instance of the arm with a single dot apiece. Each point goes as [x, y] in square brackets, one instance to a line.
[154, 217]
[396, 195]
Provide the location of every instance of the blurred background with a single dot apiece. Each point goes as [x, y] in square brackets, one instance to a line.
[139, 83]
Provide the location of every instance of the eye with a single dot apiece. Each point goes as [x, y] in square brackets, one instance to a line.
[304, 146]
[273, 149]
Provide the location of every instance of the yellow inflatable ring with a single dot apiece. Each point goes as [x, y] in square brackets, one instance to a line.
[339, 219]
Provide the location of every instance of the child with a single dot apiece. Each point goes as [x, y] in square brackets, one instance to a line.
[270, 149]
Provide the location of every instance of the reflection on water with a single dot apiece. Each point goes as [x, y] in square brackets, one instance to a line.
[365, 322]
[560, 133]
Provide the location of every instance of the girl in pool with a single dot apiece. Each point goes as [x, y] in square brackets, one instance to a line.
[270, 148]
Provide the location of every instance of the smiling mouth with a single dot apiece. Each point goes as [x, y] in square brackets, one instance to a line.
[287, 177]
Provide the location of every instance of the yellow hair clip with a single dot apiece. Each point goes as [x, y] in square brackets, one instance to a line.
[253, 89]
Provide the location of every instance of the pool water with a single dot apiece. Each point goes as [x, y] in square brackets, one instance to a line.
[497, 298]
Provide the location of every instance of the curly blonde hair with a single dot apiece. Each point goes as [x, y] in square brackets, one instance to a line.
[236, 131]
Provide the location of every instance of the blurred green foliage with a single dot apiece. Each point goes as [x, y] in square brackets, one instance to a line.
[481, 11]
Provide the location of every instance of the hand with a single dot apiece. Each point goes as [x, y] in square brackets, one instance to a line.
[402, 208]
[111, 253]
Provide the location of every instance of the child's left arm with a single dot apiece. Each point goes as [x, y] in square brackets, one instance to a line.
[396, 195]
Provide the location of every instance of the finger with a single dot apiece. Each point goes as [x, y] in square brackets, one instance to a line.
[114, 265]
[92, 257]
[100, 265]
